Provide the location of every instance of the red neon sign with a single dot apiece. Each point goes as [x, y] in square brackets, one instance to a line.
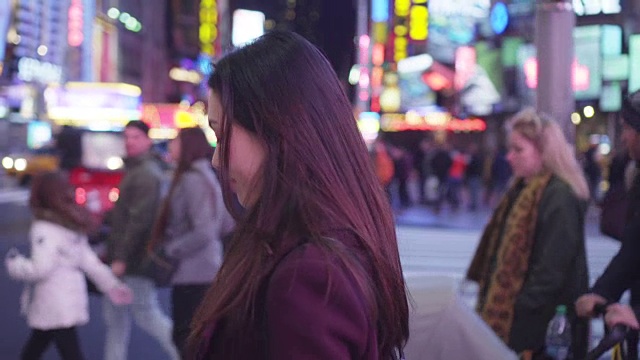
[399, 122]
[436, 81]
[75, 36]
[465, 63]
[580, 75]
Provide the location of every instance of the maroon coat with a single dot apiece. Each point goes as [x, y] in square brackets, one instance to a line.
[311, 309]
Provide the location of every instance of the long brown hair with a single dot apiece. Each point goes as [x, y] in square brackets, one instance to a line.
[52, 198]
[193, 146]
[317, 177]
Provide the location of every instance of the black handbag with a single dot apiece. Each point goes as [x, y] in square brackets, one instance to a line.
[158, 266]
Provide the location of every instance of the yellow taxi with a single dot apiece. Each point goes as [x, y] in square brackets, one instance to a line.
[23, 166]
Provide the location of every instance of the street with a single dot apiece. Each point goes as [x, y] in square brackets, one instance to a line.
[429, 244]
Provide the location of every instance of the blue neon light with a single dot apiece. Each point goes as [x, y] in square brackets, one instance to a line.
[380, 10]
[499, 18]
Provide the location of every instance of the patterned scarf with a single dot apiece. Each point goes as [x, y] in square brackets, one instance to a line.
[508, 238]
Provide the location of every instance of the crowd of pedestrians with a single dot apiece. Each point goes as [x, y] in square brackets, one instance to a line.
[185, 214]
[444, 175]
[288, 248]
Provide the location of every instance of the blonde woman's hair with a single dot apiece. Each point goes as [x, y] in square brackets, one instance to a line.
[558, 156]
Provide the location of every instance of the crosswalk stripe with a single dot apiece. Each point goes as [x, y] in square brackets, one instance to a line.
[19, 196]
[448, 252]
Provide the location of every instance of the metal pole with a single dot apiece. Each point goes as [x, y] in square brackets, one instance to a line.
[362, 28]
[555, 21]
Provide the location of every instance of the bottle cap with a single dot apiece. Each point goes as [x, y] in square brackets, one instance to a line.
[561, 309]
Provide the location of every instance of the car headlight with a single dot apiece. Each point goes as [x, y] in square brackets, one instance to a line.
[114, 163]
[7, 162]
[20, 164]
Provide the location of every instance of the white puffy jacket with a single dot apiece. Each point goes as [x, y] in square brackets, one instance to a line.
[56, 293]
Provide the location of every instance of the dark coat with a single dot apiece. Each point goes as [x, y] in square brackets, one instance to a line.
[312, 310]
[133, 215]
[624, 268]
[557, 272]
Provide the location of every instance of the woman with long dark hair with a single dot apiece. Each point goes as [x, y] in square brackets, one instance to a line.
[190, 226]
[55, 300]
[313, 270]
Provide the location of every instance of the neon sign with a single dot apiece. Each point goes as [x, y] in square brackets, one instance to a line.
[595, 7]
[499, 18]
[86, 104]
[465, 64]
[75, 36]
[208, 31]
[380, 10]
[419, 20]
[581, 77]
[430, 122]
[401, 9]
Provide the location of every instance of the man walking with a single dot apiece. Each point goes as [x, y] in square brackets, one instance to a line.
[132, 220]
[623, 271]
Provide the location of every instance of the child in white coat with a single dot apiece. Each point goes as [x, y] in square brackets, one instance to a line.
[55, 299]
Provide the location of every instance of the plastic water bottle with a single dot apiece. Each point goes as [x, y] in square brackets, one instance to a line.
[558, 339]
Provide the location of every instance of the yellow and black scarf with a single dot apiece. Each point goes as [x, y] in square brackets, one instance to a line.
[508, 238]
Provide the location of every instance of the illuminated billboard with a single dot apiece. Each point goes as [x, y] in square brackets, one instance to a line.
[435, 121]
[5, 15]
[587, 43]
[98, 106]
[634, 60]
[414, 91]
[248, 25]
[595, 7]
[166, 118]
[453, 23]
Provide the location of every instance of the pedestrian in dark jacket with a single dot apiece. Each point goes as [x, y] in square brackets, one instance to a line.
[531, 257]
[69, 146]
[313, 270]
[132, 219]
[624, 269]
[593, 170]
[473, 175]
[441, 164]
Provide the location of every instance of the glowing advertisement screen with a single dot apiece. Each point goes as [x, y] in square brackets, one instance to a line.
[5, 13]
[98, 106]
[634, 60]
[248, 25]
[453, 23]
[588, 53]
[611, 98]
[38, 134]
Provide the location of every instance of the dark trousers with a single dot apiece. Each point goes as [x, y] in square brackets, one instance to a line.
[185, 300]
[66, 341]
[403, 192]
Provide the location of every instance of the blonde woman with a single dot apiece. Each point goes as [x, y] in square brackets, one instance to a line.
[531, 256]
